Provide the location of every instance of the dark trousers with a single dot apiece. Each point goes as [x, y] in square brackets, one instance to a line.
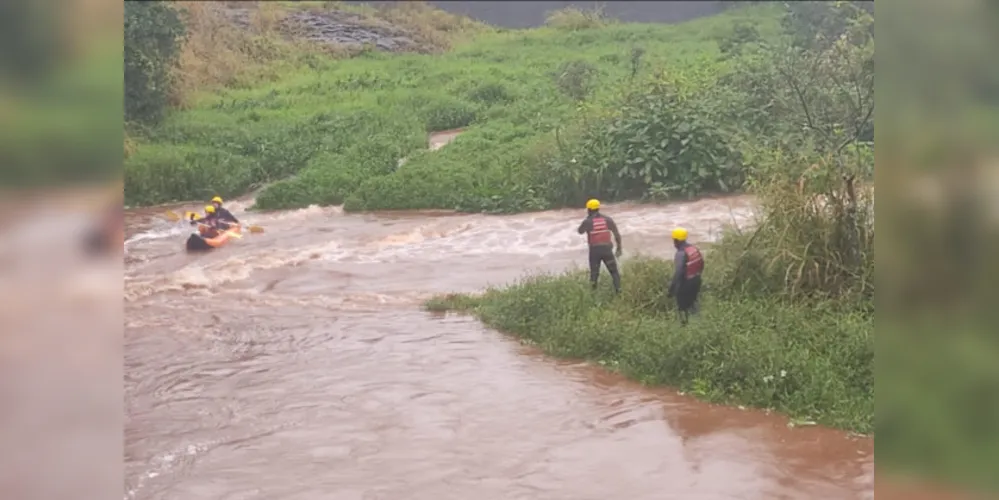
[686, 297]
[604, 254]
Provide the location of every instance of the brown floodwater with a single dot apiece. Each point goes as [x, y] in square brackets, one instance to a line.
[298, 364]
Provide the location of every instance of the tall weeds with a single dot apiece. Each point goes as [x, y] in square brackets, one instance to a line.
[815, 237]
[226, 48]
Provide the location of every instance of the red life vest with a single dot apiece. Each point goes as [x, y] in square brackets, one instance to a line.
[695, 262]
[599, 234]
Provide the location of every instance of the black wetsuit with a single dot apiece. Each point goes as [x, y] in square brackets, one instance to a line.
[686, 283]
[599, 228]
[213, 221]
[225, 215]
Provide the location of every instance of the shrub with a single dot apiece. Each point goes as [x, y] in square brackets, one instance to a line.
[741, 35]
[814, 239]
[658, 144]
[575, 79]
[153, 35]
[574, 19]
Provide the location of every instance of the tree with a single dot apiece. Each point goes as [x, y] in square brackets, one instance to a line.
[152, 39]
[816, 86]
[808, 108]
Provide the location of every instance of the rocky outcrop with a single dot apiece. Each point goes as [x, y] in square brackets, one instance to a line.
[335, 28]
[341, 28]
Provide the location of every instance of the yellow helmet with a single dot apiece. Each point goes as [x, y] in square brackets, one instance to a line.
[217, 199]
[209, 209]
[593, 204]
[680, 234]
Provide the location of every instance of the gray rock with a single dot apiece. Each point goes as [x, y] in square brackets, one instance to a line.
[334, 28]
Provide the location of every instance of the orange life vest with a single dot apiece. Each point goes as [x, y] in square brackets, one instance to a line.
[599, 234]
[695, 262]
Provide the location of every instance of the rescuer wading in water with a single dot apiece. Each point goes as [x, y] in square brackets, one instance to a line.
[598, 228]
[686, 283]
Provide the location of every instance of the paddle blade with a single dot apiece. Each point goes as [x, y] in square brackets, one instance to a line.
[256, 229]
[170, 214]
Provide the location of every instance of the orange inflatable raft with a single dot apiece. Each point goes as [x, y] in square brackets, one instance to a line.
[208, 238]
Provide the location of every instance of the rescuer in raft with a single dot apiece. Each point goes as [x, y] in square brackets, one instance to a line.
[686, 283]
[598, 228]
[211, 219]
[223, 214]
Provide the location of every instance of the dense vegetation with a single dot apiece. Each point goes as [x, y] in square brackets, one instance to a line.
[203, 96]
[551, 117]
[787, 317]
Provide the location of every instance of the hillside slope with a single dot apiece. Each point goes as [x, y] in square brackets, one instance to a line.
[340, 126]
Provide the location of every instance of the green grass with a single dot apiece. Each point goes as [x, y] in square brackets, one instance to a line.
[811, 361]
[332, 131]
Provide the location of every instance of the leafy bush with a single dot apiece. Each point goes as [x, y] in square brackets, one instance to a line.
[574, 19]
[657, 144]
[575, 79]
[812, 168]
[153, 34]
[506, 160]
[742, 34]
[814, 240]
[796, 94]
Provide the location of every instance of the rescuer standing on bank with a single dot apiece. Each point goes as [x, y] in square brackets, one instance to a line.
[686, 284]
[598, 228]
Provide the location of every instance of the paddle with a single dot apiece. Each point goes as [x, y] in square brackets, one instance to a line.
[174, 217]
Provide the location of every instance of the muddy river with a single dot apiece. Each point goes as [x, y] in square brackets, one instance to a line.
[298, 364]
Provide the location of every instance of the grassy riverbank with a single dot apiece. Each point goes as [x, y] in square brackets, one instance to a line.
[811, 361]
[331, 130]
[787, 319]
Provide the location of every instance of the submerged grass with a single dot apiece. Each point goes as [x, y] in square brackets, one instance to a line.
[811, 361]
